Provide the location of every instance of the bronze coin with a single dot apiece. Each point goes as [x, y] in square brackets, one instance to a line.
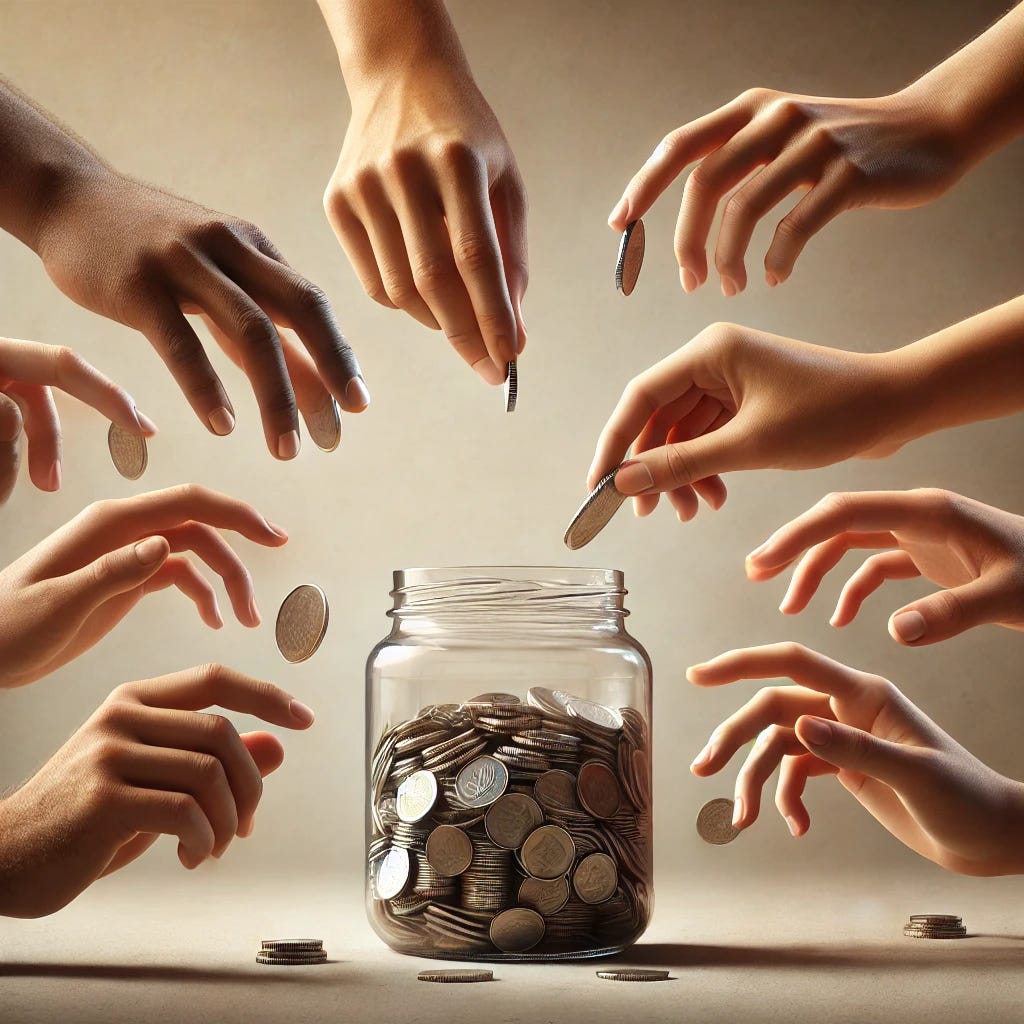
[517, 930]
[548, 852]
[449, 851]
[128, 452]
[302, 623]
[556, 790]
[596, 878]
[630, 258]
[598, 790]
[545, 895]
[595, 513]
[511, 818]
[714, 822]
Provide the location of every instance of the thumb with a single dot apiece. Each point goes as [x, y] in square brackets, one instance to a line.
[116, 572]
[265, 750]
[949, 612]
[846, 747]
[684, 462]
[10, 447]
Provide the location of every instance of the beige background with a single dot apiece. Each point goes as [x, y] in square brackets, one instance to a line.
[241, 106]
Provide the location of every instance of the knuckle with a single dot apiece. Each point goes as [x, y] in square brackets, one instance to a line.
[208, 769]
[309, 298]
[788, 109]
[219, 728]
[473, 253]
[433, 274]
[678, 464]
[949, 606]
[190, 493]
[375, 290]
[793, 228]
[937, 500]
[67, 364]
[756, 96]
[455, 153]
[399, 287]
[792, 650]
[183, 809]
[838, 504]
[255, 328]
[637, 394]
[182, 349]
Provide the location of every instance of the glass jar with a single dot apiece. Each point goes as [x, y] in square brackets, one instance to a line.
[509, 767]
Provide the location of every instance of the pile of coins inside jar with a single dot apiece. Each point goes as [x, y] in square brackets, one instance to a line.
[504, 828]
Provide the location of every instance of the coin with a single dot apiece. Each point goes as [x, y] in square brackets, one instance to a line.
[449, 851]
[293, 945]
[596, 714]
[548, 852]
[457, 976]
[128, 452]
[545, 895]
[511, 386]
[393, 873]
[631, 257]
[511, 818]
[556, 790]
[633, 974]
[516, 931]
[302, 623]
[495, 698]
[416, 796]
[324, 426]
[595, 513]
[481, 782]
[714, 822]
[596, 878]
[936, 918]
[598, 790]
[290, 960]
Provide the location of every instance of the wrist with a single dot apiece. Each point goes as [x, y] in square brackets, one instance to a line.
[898, 398]
[68, 183]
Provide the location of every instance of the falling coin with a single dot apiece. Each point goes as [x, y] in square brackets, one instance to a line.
[324, 426]
[631, 257]
[633, 974]
[595, 513]
[457, 976]
[128, 452]
[302, 623]
[511, 386]
[714, 822]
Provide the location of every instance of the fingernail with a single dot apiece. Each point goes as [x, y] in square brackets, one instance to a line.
[254, 612]
[53, 477]
[274, 528]
[489, 372]
[633, 478]
[907, 626]
[222, 421]
[144, 422]
[300, 712]
[729, 288]
[246, 830]
[218, 618]
[288, 445]
[693, 670]
[737, 812]
[816, 732]
[619, 212]
[757, 552]
[794, 828]
[703, 757]
[688, 279]
[771, 279]
[149, 550]
[357, 394]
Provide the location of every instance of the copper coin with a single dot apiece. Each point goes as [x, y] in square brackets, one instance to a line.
[459, 976]
[556, 790]
[633, 974]
[595, 513]
[548, 852]
[516, 931]
[596, 878]
[324, 426]
[449, 851]
[631, 257]
[511, 818]
[128, 452]
[302, 623]
[545, 895]
[714, 822]
[598, 790]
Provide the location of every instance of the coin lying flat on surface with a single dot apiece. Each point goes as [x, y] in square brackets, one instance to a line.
[128, 452]
[293, 945]
[633, 974]
[714, 822]
[595, 513]
[934, 926]
[302, 623]
[324, 426]
[511, 386]
[457, 976]
[291, 952]
[631, 257]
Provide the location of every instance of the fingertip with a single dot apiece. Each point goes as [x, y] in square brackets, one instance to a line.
[618, 218]
[301, 713]
[357, 395]
[907, 627]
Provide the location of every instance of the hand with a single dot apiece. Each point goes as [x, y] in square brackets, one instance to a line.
[890, 152]
[28, 372]
[974, 550]
[144, 765]
[735, 398]
[429, 206]
[145, 258]
[921, 785]
[72, 589]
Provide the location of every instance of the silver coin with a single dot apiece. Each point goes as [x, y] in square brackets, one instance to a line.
[481, 782]
[595, 513]
[128, 452]
[936, 918]
[416, 796]
[633, 974]
[511, 386]
[517, 930]
[324, 426]
[598, 790]
[449, 851]
[273, 960]
[545, 895]
[293, 945]
[302, 623]
[596, 714]
[392, 873]
[548, 852]
[511, 818]
[458, 977]
[546, 700]
[714, 822]
[596, 878]
[630, 258]
[495, 698]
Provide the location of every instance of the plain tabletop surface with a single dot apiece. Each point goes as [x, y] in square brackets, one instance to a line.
[797, 950]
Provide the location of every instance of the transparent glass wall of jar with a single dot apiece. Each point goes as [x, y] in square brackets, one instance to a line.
[509, 766]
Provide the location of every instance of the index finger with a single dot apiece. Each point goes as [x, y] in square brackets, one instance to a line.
[216, 686]
[786, 660]
[691, 142]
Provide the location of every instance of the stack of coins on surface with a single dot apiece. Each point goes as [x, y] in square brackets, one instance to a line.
[934, 926]
[507, 829]
[291, 952]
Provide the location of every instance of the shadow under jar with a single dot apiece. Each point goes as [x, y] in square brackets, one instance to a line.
[509, 775]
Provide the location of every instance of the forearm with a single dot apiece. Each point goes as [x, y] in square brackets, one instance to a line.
[980, 89]
[40, 161]
[376, 39]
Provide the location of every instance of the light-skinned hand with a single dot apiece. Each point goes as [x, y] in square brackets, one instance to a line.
[974, 551]
[922, 786]
[29, 371]
[147, 763]
[73, 588]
